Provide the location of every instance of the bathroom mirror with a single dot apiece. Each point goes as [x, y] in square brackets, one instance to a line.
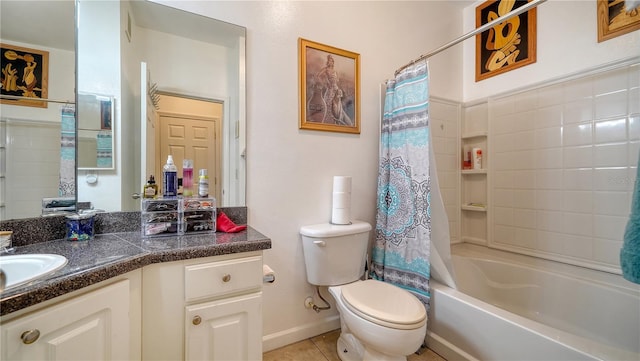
[95, 131]
[138, 23]
[37, 158]
[157, 50]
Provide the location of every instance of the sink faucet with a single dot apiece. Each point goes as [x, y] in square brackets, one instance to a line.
[3, 280]
[5, 241]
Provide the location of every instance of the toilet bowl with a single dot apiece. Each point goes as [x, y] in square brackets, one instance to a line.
[379, 321]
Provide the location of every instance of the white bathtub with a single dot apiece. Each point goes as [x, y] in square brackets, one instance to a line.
[513, 307]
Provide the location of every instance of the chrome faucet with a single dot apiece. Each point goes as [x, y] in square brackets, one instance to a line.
[5, 241]
[3, 280]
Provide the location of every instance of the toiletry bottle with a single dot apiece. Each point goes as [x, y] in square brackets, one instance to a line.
[203, 184]
[477, 158]
[170, 178]
[187, 177]
[150, 189]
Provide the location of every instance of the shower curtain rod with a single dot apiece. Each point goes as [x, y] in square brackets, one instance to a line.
[15, 97]
[466, 36]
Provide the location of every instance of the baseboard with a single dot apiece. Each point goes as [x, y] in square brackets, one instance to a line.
[446, 349]
[286, 337]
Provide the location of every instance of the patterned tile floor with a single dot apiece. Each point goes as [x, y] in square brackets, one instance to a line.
[323, 348]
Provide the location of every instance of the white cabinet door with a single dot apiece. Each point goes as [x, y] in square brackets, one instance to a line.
[229, 329]
[93, 326]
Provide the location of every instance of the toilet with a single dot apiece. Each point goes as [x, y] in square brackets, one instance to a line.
[379, 321]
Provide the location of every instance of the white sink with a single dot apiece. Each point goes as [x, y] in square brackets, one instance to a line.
[24, 268]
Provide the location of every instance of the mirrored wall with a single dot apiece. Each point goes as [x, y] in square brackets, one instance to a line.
[119, 142]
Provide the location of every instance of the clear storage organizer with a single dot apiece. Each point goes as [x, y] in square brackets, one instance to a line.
[177, 216]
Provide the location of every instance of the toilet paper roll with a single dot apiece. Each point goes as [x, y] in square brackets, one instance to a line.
[341, 200]
[268, 276]
[342, 184]
[341, 216]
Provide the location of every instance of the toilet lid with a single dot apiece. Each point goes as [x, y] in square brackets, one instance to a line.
[384, 304]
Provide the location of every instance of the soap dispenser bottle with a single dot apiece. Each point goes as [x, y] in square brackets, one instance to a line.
[170, 178]
[150, 189]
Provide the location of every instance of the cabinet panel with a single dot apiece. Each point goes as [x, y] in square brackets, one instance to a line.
[228, 329]
[94, 326]
[222, 277]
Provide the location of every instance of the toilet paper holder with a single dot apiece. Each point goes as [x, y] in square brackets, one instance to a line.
[268, 275]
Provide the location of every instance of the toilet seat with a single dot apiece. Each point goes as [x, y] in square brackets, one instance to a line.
[384, 304]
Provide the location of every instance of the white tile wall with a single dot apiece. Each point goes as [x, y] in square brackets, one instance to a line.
[564, 161]
[32, 159]
[445, 117]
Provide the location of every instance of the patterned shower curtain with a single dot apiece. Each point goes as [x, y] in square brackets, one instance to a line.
[401, 251]
[67, 185]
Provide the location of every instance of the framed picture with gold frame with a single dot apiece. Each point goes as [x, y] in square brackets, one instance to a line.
[508, 45]
[329, 88]
[614, 19]
[25, 74]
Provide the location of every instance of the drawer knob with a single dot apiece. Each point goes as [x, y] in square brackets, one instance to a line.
[196, 320]
[29, 337]
[226, 278]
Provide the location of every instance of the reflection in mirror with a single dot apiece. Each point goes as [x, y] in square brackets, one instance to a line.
[95, 132]
[162, 50]
[37, 155]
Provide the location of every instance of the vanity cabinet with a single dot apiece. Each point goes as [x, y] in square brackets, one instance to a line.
[98, 324]
[203, 309]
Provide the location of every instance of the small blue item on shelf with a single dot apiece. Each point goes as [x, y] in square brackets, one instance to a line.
[630, 252]
[80, 227]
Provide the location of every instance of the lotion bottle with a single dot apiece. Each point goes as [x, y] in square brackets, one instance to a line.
[170, 178]
[203, 184]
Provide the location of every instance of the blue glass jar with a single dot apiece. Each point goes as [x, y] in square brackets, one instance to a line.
[80, 227]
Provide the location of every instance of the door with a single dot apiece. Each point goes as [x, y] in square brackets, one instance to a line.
[229, 329]
[195, 138]
[94, 326]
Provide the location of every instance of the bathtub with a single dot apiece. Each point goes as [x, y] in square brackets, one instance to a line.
[514, 307]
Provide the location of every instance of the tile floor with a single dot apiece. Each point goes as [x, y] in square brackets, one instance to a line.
[323, 348]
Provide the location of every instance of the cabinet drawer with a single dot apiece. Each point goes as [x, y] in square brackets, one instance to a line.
[222, 277]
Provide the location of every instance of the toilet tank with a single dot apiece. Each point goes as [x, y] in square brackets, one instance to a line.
[335, 254]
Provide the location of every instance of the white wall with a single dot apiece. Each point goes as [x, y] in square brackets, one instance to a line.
[99, 73]
[567, 42]
[563, 159]
[289, 170]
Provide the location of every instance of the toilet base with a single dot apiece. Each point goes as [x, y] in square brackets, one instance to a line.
[350, 349]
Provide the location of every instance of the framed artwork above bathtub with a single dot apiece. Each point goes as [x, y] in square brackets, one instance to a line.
[615, 19]
[508, 45]
[329, 88]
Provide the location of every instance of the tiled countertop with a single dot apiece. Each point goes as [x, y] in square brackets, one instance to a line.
[113, 254]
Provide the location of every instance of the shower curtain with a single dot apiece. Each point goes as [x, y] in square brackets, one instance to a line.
[67, 184]
[402, 249]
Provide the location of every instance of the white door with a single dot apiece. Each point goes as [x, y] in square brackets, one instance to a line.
[229, 329]
[94, 326]
[195, 138]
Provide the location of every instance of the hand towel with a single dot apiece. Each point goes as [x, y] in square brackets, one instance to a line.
[224, 224]
[630, 252]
